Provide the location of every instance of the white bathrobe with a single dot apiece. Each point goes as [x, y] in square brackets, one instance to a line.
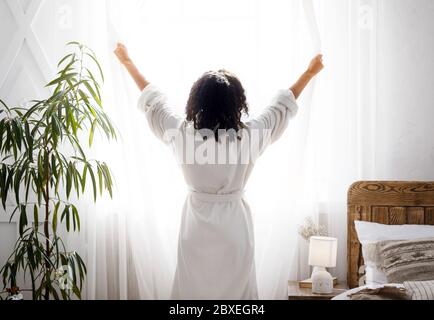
[216, 241]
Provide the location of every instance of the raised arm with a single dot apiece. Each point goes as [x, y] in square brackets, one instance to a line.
[122, 53]
[273, 121]
[152, 101]
[314, 68]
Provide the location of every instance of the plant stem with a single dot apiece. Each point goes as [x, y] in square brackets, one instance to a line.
[47, 231]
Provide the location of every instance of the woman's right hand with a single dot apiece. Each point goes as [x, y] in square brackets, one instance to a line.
[315, 65]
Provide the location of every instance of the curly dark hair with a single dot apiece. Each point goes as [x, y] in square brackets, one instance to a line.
[217, 101]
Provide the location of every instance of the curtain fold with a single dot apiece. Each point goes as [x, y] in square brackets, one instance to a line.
[130, 241]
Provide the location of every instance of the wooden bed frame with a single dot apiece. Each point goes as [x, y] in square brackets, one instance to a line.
[385, 202]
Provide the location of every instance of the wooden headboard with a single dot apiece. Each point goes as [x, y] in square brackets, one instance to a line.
[386, 202]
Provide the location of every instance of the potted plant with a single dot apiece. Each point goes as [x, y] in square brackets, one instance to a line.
[42, 162]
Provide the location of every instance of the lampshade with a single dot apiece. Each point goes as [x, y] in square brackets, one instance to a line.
[322, 251]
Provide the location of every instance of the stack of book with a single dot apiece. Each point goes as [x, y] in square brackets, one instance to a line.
[308, 283]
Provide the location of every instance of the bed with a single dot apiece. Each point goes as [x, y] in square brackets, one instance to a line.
[390, 203]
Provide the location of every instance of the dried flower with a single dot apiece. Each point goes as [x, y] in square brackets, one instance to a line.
[310, 228]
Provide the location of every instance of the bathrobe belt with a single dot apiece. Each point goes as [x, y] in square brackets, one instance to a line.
[214, 197]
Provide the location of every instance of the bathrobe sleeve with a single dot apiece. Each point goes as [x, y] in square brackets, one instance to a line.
[160, 116]
[274, 119]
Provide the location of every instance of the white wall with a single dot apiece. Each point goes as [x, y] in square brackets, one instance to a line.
[405, 92]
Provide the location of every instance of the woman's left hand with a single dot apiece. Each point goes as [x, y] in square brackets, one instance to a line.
[122, 53]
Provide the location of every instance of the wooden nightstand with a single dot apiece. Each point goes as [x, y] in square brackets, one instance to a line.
[297, 293]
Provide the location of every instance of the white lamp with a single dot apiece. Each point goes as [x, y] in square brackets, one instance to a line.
[322, 255]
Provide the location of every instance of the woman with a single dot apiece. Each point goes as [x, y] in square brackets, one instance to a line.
[216, 151]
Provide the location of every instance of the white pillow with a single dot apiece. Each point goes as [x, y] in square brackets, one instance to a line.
[370, 233]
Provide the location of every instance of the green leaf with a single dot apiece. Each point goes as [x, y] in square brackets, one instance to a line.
[84, 96]
[72, 120]
[93, 94]
[71, 264]
[23, 219]
[68, 223]
[7, 186]
[35, 216]
[41, 170]
[4, 105]
[13, 213]
[54, 166]
[90, 74]
[81, 262]
[64, 295]
[55, 133]
[53, 291]
[3, 178]
[2, 130]
[17, 134]
[92, 111]
[29, 140]
[98, 65]
[58, 95]
[91, 132]
[81, 269]
[92, 176]
[73, 222]
[74, 43]
[64, 59]
[76, 217]
[68, 181]
[28, 183]
[107, 178]
[63, 77]
[65, 215]
[76, 179]
[54, 222]
[17, 183]
[68, 66]
[100, 179]
[83, 178]
[76, 291]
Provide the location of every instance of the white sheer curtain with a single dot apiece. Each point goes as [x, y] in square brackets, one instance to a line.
[130, 242]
